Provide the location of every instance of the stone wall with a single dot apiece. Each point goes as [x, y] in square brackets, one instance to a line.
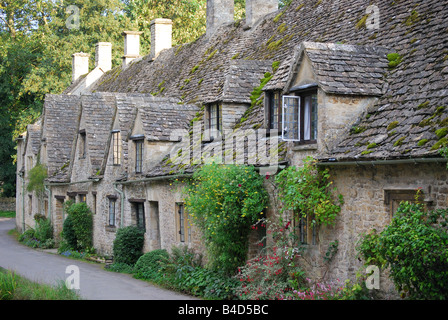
[365, 190]
[7, 204]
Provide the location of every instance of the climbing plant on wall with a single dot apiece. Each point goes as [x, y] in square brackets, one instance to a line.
[224, 201]
[307, 190]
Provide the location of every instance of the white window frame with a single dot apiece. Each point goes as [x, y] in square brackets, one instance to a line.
[284, 124]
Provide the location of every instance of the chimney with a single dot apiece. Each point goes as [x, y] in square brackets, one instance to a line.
[161, 36]
[219, 12]
[80, 65]
[131, 46]
[103, 56]
[256, 9]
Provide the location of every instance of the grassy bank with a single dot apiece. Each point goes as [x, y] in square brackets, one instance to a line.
[15, 287]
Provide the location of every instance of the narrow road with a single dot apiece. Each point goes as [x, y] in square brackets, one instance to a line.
[95, 282]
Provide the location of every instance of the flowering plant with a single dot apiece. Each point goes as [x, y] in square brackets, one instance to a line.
[275, 272]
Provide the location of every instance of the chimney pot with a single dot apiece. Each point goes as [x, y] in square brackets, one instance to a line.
[103, 56]
[131, 46]
[219, 12]
[256, 9]
[161, 36]
[80, 65]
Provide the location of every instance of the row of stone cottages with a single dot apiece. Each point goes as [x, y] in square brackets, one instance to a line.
[333, 95]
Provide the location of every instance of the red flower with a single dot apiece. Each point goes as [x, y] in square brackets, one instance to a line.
[239, 185]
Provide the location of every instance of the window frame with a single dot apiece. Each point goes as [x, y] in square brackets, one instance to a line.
[140, 218]
[82, 144]
[272, 97]
[111, 216]
[183, 226]
[139, 149]
[301, 96]
[214, 123]
[116, 147]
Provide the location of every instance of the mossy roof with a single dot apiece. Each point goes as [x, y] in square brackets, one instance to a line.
[416, 30]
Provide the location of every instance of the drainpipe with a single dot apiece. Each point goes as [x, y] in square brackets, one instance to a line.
[23, 201]
[121, 203]
[49, 201]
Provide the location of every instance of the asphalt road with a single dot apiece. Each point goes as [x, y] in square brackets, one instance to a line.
[95, 283]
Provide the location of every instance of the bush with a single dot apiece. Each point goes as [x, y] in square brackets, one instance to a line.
[414, 246]
[82, 224]
[128, 245]
[44, 230]
[68, 235]
[150, 264]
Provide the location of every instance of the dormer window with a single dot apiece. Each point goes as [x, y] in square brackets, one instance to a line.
[214, 119]
[299, 118]
[116, 142]
[82, 144]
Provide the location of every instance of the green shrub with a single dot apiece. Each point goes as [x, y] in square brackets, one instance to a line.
[68, 235]
[414, 246]
[27, 235]
[121, 267]
[128, 245]
[224, 201]
[44, 230]
[82, 224]
[149, 265]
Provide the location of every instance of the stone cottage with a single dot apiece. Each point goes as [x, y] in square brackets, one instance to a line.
[362, 88]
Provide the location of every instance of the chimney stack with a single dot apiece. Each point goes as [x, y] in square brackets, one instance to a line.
[219, 12]
[103, 56]
[80, 65]
[256, 9]
[131, 46]
[161, 36]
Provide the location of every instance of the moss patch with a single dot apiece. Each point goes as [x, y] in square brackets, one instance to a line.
[394, 59]
[399, 142]
[361, 24]
[423, 105]
[372, 145]
[357, 129]
[412, 19]
[392, 125]
[441, 132]
[422, 142]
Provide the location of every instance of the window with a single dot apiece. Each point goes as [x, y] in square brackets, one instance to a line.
[275, 114]
[215, 120]
[306, 232]
[184, 230]
[138, 156]
[139, 208]
[82, 144]
[116, 141]
[94, 202]
[112, 203]
[299, 118]
[82, 197]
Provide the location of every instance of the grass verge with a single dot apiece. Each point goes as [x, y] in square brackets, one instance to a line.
[15, 287]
